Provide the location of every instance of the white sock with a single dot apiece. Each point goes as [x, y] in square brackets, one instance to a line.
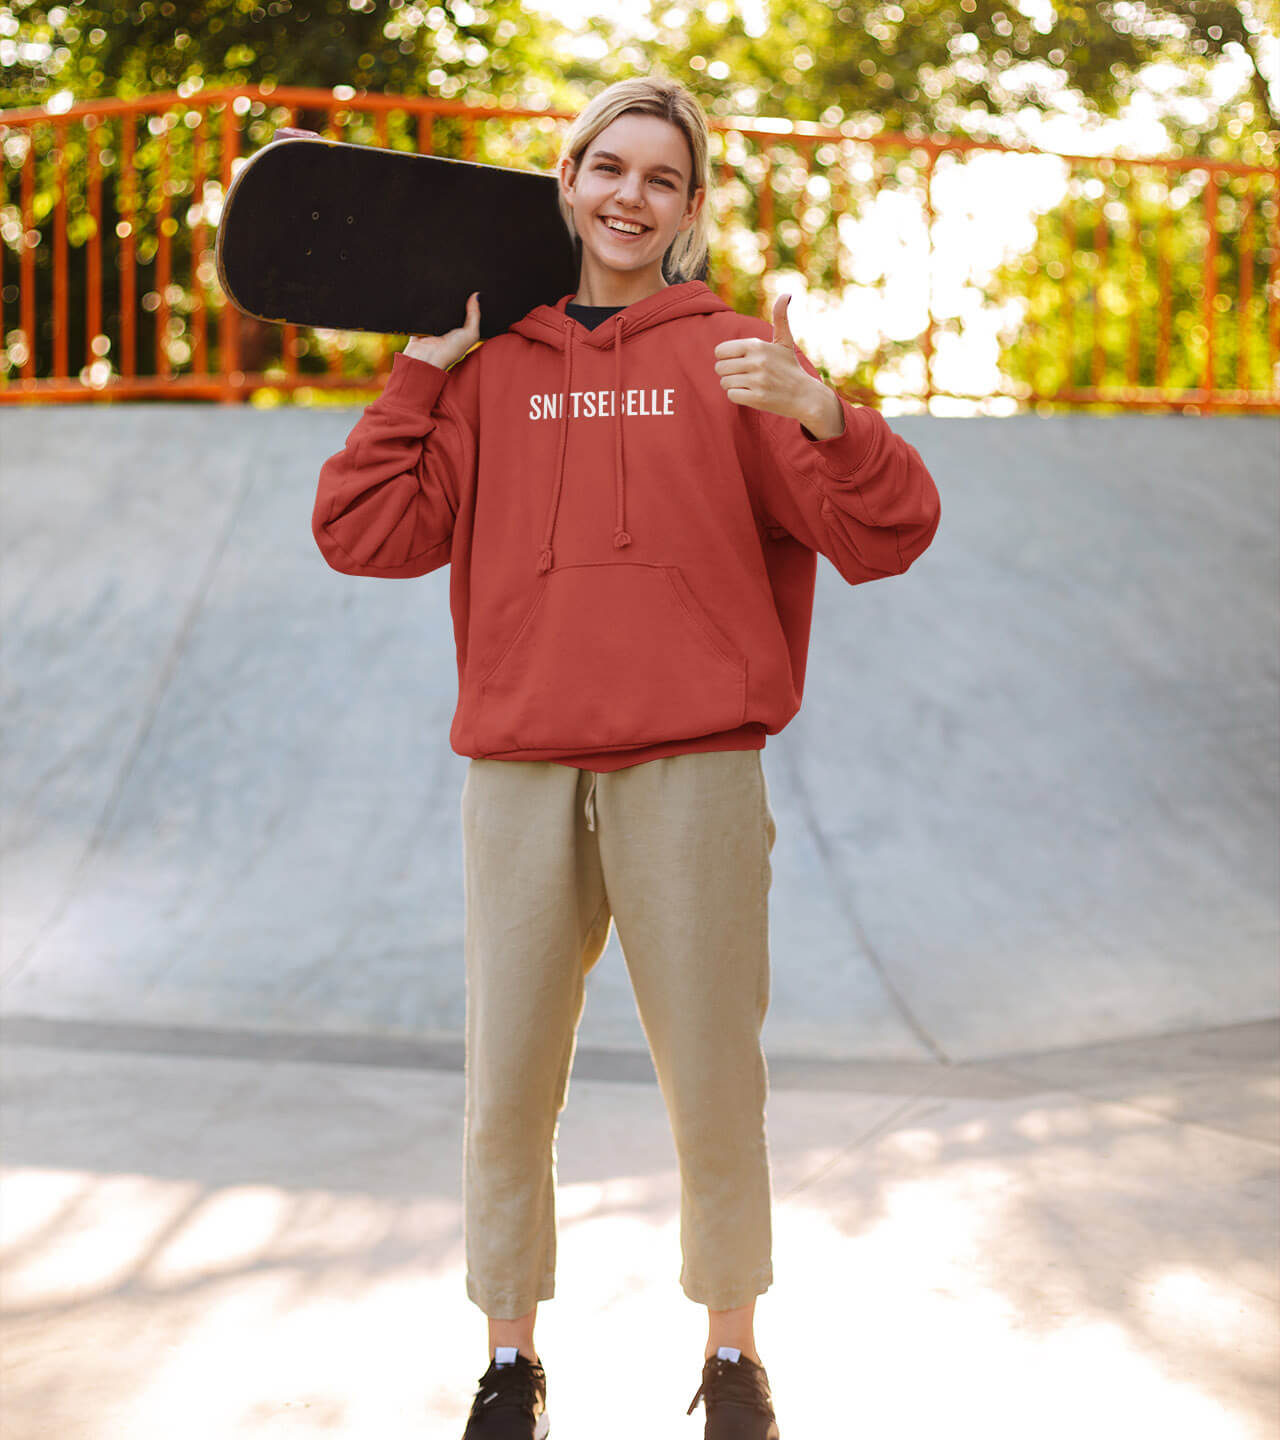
[727, 1352]
[506, 1354]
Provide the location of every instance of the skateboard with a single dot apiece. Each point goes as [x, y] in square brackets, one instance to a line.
[326, 234]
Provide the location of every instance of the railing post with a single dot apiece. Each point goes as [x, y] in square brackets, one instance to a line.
[1246, 291]
[200, 315]
[766, 224]
[1273, 291]
[163, 267]
[27, 262]
[60, 254]
[126, 177]
[93, 257]
[1210, 287]
[1163, 287]
[930, 219]
[232, 381]
[1098, 358]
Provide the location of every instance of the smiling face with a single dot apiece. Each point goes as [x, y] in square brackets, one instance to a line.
[636, 171]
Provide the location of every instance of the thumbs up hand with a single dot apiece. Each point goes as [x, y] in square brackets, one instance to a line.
[766, 375]
[781, 329]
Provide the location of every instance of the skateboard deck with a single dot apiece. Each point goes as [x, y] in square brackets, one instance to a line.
[356, 237]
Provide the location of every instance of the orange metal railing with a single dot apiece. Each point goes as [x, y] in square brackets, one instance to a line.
[1140, 283]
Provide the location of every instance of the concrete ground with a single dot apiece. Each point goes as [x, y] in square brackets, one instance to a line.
[1024, 1033]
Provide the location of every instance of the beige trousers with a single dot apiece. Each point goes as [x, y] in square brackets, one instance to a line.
[674, 852]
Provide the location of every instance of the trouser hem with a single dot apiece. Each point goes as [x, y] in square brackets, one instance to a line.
[506, 1304]
[728, 1299]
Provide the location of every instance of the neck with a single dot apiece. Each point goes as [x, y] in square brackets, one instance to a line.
[615, 288]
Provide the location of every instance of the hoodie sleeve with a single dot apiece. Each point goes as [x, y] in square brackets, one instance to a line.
[864, 498]
[386, 502]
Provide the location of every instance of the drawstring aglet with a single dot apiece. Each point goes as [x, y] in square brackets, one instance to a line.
[620, 539]
[544, 560]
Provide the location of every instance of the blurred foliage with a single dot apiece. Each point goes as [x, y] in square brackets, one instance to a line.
[988, 69]
[965, 66]
[973, 69]
[985, 68]
[127, 49]
[1113, 290]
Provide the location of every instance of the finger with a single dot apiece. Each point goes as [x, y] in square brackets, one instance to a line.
[781, 328]
[728, 349]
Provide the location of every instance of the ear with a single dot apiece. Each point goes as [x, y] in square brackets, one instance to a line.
[691, 213]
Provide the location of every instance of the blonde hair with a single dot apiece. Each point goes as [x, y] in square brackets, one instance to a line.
[670, 100]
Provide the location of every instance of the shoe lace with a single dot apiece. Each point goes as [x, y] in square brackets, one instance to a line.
[739, 1384]
[514, 1386]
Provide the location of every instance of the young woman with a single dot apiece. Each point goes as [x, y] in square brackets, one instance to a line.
[631, 487]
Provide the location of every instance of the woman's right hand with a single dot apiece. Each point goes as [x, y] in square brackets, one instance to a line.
[445, 350]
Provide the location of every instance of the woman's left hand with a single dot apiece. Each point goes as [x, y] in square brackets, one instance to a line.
[765, 374]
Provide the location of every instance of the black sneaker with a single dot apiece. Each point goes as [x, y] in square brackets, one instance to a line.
[735, 1394]
[511, 1403]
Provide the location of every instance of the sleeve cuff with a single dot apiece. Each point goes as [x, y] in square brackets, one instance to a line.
[841, 456]
[416, 382]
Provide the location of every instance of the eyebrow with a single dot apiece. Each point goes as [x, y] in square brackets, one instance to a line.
[608, 155]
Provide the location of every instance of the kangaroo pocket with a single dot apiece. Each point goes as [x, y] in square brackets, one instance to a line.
[611, 654]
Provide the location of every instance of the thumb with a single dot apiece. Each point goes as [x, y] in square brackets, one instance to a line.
[781, 330]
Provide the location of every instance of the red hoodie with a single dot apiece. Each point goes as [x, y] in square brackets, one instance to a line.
[633, 554]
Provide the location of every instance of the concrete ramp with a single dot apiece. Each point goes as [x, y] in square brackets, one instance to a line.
[1030, 801]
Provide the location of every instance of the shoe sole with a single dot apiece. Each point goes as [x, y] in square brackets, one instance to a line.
[543, 1427]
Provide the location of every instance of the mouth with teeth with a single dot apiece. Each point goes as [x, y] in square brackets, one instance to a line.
[626, 228]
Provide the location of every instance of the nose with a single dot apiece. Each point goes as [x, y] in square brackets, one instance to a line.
[628, 193]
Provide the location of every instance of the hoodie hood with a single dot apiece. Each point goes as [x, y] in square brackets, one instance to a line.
[553, 325]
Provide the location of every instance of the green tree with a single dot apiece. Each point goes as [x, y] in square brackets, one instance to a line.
[982, 68]
[1124, 296]
[979, 67]
[139, 47]
[80, 51]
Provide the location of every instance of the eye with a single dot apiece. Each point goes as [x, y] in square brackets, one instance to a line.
[604, 165]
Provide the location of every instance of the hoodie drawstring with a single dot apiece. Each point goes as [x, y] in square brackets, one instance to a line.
[544, 558]
[620, 536]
